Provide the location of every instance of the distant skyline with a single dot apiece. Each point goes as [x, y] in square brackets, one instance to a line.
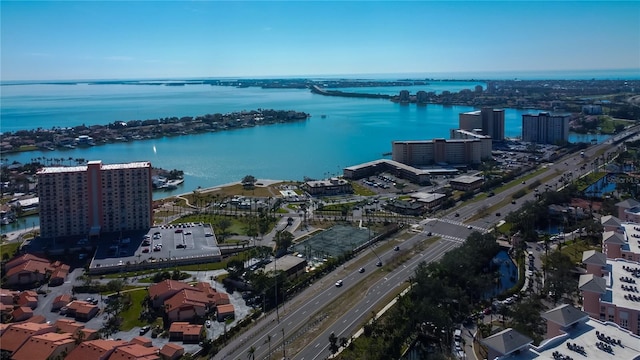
[64, 40]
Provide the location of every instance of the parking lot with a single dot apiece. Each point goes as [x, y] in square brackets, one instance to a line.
[163, 243]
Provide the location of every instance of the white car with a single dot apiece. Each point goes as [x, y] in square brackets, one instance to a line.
[338, 283]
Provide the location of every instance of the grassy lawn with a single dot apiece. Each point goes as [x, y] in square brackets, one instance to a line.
[361, 190]
[9, 249]
[131, 315]
[574, 250]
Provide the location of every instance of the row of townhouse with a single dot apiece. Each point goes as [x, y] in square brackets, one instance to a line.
[30, 269]
[72, 341]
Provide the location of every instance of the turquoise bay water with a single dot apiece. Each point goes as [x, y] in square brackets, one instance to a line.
[353, 130]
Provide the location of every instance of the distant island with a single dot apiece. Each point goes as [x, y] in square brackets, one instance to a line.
[123, 131]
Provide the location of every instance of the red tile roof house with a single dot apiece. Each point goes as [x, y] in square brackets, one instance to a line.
[60, 301]
[82, 310]
[135, 351]
[21, 313]
[171, 351]
[95, 350]
[28, 298]
[28, 272]
[17, 334]
[59, 275]
[141, 340]
[21, 260]
[163, 290]
[187, 304]
[8, 297]
[45, 346]
[185, 332]
[75, 329]
[225, 311]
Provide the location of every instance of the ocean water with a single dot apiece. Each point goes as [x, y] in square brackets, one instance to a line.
[352, 131]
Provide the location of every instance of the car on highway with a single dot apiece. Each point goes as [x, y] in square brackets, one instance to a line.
[469, 227]
[338, 283]
[361, 270]
[497, 214]
[379, 263]
[457, 215]
[396, 248]
[513, 201]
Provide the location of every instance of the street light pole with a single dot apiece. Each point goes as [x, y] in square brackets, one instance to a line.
[284, 354]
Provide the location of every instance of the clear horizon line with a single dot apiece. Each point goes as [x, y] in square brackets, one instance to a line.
[474, 75]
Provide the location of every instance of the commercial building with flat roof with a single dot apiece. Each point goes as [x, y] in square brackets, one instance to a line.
[88, 200]
[415, 175]
[466, 183]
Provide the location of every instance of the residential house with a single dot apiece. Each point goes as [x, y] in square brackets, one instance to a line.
[81, 310]
[21, 313]
[185, 332]
[76, 329]
[60, 301]
[141, 340]
[171, 351]
[95, 350]
[225, 311]
[45, 346]
[8, 297]
[17, 334]
[165, 289]
[28, 298]
[187, 304]
[135, 351]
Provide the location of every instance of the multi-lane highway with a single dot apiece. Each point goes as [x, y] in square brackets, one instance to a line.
[451, 228]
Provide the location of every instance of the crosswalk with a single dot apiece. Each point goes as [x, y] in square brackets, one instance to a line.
[450, 238]
[454, 222]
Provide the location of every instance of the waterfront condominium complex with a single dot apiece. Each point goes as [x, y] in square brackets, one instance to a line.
[93, 199]
[545, 128]
[489, 121]
[437, 151]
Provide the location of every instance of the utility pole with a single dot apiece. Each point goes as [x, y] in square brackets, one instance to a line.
[284, 354]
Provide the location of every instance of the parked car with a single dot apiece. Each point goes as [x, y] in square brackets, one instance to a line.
[144, 329]
[207, 323]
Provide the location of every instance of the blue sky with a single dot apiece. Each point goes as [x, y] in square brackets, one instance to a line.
[177, 39]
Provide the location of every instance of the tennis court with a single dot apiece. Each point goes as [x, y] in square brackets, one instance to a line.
[333, 242]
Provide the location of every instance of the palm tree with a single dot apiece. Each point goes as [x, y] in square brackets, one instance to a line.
[251, 354]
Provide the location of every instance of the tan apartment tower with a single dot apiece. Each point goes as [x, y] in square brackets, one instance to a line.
[93, 199]
[490, 121]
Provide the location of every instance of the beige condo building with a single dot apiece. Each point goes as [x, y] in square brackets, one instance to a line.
[437, 151]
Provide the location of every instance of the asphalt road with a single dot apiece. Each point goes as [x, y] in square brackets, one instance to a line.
[451, 228]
